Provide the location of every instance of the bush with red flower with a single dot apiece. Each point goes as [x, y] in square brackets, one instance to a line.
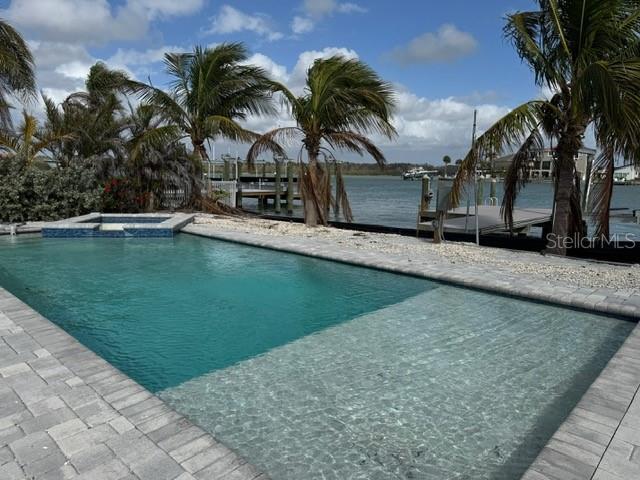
[119, 195]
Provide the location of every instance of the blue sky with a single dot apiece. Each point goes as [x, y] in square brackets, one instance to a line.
[445, 58]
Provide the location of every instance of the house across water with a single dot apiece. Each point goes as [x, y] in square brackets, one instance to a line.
[541, 165]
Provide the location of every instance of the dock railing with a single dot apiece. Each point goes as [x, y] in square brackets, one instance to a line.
[225, 191]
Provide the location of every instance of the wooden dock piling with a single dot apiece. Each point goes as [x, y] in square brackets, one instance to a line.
[480, 192]
[493, 196]
[278, 186]
[239, 194]
[425, 198]
[290, 187]
[338, 175]
[225, 171]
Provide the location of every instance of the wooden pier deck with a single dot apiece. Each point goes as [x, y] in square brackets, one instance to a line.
[266, 193]
[489, 219]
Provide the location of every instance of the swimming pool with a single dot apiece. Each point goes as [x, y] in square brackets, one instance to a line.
[313, 369]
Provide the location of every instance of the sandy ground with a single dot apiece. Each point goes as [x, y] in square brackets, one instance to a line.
[575, 272]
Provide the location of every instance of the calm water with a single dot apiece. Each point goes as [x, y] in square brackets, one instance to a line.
[317, 370]
[391, 201]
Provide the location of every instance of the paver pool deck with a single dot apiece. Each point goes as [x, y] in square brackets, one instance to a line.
[67, 413]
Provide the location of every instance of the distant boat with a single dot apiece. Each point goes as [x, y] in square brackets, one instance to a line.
[417, 173]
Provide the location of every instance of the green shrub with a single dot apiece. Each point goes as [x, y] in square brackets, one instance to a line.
[33, 194]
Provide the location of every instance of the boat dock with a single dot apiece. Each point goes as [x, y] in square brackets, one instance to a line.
[459, 220]
[275, 189]
[266, 194]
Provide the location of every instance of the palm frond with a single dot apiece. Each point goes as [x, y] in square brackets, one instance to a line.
[272, 142]
[16, 69]
[508, 132]
[153, 138]
[518, 174]
[341, 199]
[347, 95]
[228, 128]
[355, 143]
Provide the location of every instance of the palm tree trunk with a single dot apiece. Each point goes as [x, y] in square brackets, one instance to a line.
[312, 185]
[567, 215]
[196, 198]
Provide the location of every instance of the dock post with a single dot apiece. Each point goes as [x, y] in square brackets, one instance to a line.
[425, 198]
[289, 188]
[327, 180]
[480, 192]
[338, 175]
[278, 196]
[238, 194]
[239, 170]
[493, 196]
[264, 169]
[225, 172]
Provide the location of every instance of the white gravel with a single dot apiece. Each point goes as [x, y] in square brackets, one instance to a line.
[565, 270]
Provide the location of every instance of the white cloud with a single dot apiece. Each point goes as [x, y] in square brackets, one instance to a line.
[274, 70]
[126, 58]
[92, 22]
[232, 20]
[59, 67]
[321, 8]
[439, 123]
[301, 25]
[315, 10]
[447, 44]
[76, 69]
[61, 33]
[351, 8]
[166, 8]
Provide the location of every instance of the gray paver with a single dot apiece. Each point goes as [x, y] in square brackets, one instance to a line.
[66, 413]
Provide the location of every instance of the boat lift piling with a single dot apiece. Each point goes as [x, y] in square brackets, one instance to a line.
[493, 196]
[278, 187]
[290, 167]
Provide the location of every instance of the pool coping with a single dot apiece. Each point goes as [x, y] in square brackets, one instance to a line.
[65, 412]
[86, 225]
[600, 439]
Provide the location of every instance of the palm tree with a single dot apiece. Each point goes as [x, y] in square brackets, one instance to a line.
[344, 100]
[95, 118]
[587, 53]
[446, 160]
[156, 167]
[16, 70]
[28, 144]
[211, 91]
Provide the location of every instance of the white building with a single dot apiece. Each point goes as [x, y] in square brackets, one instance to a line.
[626, 173]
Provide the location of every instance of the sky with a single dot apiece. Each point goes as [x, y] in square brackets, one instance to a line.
[445, 59]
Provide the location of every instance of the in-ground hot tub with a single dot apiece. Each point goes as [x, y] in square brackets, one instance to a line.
[118, 225]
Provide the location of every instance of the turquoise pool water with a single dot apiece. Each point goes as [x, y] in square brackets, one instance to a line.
[317, 370]
[167, 310]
